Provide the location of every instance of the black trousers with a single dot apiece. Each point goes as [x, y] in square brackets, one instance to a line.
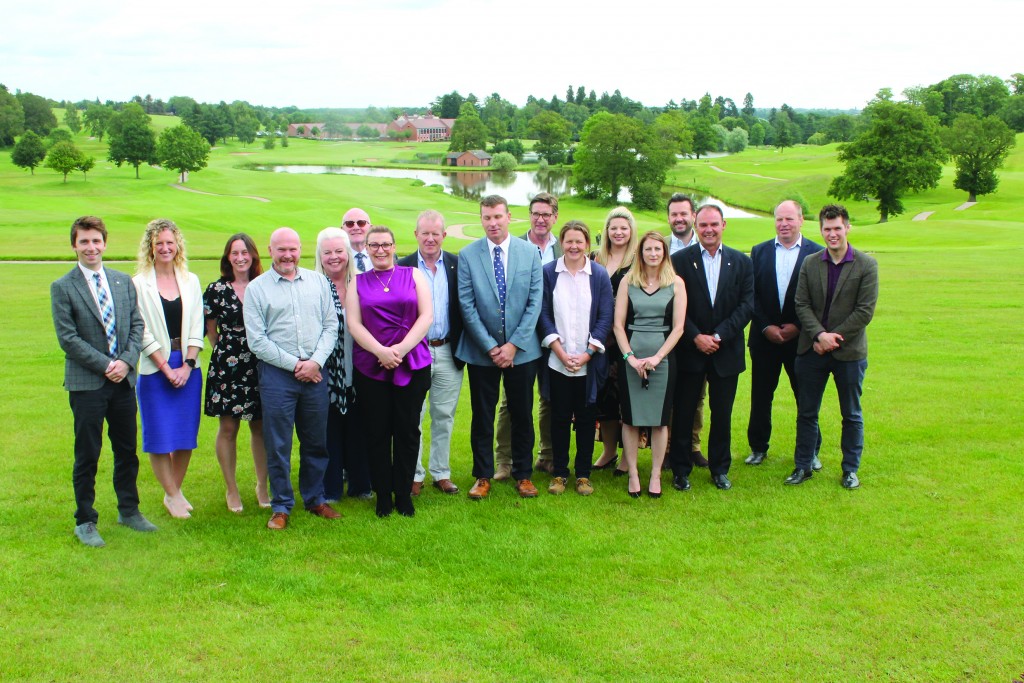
[766, 366]
[568, 400]
[346, 453]
[484, 383]
[390, 418]
[115, 403]
[721, 396]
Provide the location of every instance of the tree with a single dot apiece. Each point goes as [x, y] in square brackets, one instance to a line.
[64, 158]
[748, 109]
[72, 120]
[333, 124]
[702, 123]
[315, 131]
[85, 164]
[132, 141]
[503, 161]
[97, 119]
[785, 134]
[29, 152]
[38, 114]
[245, 128]
[183, 149]
[757, 134]
[673, 133]
[58, 135]
[899, 152]
[511, 145]
[1013, 113]
[12, 117]
[469, 132]
[367, 131]
[552, 131]
[448, 106]
[978, 147]
[840, 128]
[736, 140]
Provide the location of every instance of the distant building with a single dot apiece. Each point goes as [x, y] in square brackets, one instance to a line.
[426, 128]
[474, 157]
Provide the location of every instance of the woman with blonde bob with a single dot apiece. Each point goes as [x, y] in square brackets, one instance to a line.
[170, 387]
[650, 313]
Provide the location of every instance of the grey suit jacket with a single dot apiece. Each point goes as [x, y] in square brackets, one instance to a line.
[853, 304]
[478, 297]
[80, 333]
[556, 249]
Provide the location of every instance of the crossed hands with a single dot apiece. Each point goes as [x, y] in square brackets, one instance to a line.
[389, 357]
[643, 366]
[706, 344]
[504, 355]
[780, 334]
[116, 371]
[827, 342]
[308, 371]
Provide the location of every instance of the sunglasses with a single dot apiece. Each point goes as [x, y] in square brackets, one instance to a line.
[351, 224]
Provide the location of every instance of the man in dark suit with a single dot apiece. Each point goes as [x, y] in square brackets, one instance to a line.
[99, 328]
[835, 301]
[774, 329]
[441, 270]
[500, 292]
[719, 302]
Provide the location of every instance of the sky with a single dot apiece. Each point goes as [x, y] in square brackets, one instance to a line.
[338, 53]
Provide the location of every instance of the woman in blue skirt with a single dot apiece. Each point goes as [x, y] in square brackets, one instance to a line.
[170, 385]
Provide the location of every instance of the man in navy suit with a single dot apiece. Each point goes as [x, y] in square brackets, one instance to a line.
[99, 328]
[719, 301]
[775, 327]
[500, 292]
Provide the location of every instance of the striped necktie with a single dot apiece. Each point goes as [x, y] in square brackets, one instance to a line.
[107, 313]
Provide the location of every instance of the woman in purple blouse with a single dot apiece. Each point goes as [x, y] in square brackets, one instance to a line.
[389, 312]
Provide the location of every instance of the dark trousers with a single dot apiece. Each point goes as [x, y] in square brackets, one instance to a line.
[484, 383]
[287, 404]
[390, 416]
[115, 403]
[766, 365]
[568, 400]
[721, 396]
[346, 455]
[812, 373]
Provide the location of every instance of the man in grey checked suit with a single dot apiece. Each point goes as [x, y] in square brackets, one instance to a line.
[99, 328]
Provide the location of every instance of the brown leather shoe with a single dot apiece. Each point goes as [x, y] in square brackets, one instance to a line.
[480, 489]
[526, 488]
[417, 486]
[324, 510]
[278, 521]
[446, 486]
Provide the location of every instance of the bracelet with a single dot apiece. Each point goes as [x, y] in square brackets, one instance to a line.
[590, 352]
[161, 366]
[627, 355]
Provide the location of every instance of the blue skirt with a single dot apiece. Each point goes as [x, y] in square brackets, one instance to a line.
[170, 417]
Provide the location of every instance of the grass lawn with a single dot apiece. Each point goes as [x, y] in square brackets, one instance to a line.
[910, 578]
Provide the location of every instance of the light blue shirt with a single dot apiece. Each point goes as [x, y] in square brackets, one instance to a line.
[547, 254]
[785, 264]
[438, 281]
[675, 244]
[712, 269]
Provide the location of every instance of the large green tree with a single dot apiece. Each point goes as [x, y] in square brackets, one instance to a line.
[64, 158]
[552, 132]
[12, 117]
[183, 149]
[38, 114]
[469, 132]
[702, 122]
[29, 152]
[72, 120]
[132, 141]
[978, 147]
[246, 127]
[899, 152]
[97, 119]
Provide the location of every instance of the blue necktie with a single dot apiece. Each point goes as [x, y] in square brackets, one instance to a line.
[107, 313]
[361, 261]
[499, 278]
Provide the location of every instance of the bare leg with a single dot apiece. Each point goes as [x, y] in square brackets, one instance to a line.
[179, 466]
[259, 462]
[659, 440]
[173, 500]
[227, 456]
[630, 441]
[610, 430]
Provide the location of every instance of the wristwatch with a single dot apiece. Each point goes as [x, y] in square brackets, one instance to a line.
[191, 362]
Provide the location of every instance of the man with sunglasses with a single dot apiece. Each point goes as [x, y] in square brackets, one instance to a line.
[356, 222]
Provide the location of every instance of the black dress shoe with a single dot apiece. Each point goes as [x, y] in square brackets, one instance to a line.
[850, 480]
[721, 481]
[608, 465]
[756, 458]
[680, 483]
[799, 476]
[698, 459]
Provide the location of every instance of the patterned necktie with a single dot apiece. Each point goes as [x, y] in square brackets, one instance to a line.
[107, 313]
[361, 261]
[499, 278]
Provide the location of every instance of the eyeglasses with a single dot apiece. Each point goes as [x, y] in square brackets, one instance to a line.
[374, 246]
[542, 216]
[351, 224]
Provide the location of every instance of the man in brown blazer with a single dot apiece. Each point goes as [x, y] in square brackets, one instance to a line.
[835, 301]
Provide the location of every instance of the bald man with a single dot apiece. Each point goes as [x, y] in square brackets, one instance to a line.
[356, 222]
[291, 326]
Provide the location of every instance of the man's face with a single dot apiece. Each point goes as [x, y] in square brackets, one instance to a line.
[495, 220]
[680, 218]
[356, 222]
[542, 219]
[788, 222]
[429, 236]
[285, 250]
[710, 226]
[834, 232]
[90, 245]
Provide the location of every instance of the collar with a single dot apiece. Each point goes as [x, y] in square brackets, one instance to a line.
[504, 245]
[848, 258]
[278, 277]
[796, 245]
[423, 262]
[89, 273]
[705, 251]
[560, 266]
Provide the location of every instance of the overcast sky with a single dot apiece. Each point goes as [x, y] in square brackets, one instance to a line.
[337, 53]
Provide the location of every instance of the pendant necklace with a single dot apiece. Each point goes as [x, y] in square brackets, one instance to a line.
[382, 284]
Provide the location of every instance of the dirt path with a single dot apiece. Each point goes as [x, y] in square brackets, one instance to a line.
[752, 175]
[965, 206]
[923, 216]
[179, 186]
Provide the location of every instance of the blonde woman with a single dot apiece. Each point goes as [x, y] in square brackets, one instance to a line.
[650, 313]
[170, 385]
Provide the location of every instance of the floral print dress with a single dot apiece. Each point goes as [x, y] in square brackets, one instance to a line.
[232, 383]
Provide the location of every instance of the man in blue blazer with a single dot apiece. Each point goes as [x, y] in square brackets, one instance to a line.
[500, 292]
[719, 301]
[775, 327]
[99, 328]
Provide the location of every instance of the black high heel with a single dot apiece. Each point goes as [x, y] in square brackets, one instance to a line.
[634, 494]
[608, 465]
[619, 473]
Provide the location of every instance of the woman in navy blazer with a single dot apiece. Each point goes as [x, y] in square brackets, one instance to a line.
[575, 320]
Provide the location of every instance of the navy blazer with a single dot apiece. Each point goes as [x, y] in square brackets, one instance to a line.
[734, 304]
[602, 313]
[766, 291]
[450, 263]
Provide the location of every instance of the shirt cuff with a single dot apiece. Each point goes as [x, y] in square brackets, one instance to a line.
[547, 341]
[598, 344]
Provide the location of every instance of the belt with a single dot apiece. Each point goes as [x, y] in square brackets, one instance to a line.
[176, 344]
[437, 342]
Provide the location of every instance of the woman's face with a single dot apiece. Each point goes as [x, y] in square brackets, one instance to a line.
[653, 252]
[381, 248]
[334, 257]
[575, 245]
[165, 248]
[240, 258]
[619, 232]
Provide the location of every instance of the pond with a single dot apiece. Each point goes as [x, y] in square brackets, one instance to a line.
[517, 187]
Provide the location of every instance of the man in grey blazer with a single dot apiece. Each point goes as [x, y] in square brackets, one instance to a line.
[835, 301]
[99, 328]
[500, 292]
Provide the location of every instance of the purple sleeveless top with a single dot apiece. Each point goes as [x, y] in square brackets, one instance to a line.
[389, 316]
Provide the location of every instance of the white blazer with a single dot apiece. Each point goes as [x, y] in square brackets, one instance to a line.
[156, 336]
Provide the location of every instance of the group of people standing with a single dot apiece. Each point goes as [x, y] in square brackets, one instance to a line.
[352, 355]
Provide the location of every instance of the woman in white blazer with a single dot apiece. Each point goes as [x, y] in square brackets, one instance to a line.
[170, 385]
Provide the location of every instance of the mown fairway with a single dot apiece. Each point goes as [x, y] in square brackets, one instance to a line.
[914, 577]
